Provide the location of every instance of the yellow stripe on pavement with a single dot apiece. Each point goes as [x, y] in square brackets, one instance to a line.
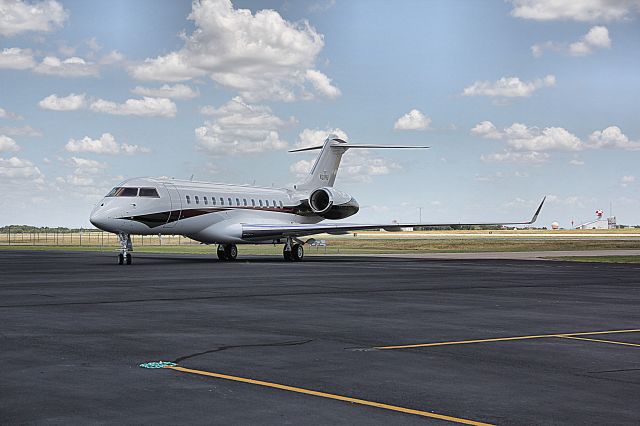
[330, 396]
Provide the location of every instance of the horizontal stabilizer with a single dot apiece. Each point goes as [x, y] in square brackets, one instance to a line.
[349, 146]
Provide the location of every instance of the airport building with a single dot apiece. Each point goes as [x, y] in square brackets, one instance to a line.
[600, 222]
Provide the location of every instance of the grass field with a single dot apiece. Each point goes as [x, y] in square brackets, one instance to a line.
[363, 243]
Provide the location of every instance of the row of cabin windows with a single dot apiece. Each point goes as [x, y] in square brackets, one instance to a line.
[214, 201]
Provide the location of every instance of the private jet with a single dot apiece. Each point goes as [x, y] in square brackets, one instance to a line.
[227, 215]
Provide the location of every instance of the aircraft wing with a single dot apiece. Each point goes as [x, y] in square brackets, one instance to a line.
[266, 231]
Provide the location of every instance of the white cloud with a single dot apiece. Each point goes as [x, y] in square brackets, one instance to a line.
[145, 107]
[106, 144]
[516, 157]
[627, 180]
[85, 166]
[70, 67]
[8, 145]
[575, 162]
[508, 87]
[486, 129]
[315, 137]
[18, 169]
[520, 137]
[240, 128]
[9, 115]
[178, 91]
[596, 38]
[16, 58]
[20, 131]
[261, 55]
[413, 120]
[17, 16]
[111, 58]
[70, 102]
[612, 138]
[322, 84]
[577, 10]
[358, 167]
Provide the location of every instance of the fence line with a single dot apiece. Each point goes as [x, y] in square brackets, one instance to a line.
[88, 239]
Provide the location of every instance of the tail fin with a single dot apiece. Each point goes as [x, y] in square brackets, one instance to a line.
[325, 168]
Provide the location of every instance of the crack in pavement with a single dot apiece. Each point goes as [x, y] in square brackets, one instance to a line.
[255, 345]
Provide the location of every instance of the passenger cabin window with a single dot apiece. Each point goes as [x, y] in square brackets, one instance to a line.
[213, 200]
[260, 201]
[188, 200]
[281, 206]
[149, 192]
[197, 200]
[274, 203]
[253, 202]
[244, 202]
[221, 201]
[229, 200]
[205, 200]
[237, 201]
[266, 203]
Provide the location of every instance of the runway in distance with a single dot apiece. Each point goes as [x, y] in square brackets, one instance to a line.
[227, 215]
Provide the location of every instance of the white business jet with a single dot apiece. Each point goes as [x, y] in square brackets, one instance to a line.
[223, 214]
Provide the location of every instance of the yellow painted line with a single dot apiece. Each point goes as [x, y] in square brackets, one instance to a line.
[330, 396]
[503, 339]
[601, 341]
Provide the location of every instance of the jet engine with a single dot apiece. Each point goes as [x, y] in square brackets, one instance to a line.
[331, 203]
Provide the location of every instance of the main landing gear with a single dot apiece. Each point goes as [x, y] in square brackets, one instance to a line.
[126, 246]
[293, 252]
[227, 251]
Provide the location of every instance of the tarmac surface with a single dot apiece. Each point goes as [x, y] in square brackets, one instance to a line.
[490, 341]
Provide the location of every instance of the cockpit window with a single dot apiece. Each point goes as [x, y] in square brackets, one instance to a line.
[149, 192]
[121, 191]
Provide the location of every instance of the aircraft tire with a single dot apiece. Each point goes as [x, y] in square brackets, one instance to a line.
[120, 259]
[231, 251]
[128, 258]
[221, 252]
[297, 252]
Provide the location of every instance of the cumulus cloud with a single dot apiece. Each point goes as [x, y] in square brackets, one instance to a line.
[239, 127]
[8, 145]
[315, 137]
[106, 144]
[70, 102]
[111, 58]
[508, 87]
[516, 157]
[18, 16]
[413, 120]
[523, 138]
[178, 91]
[581, 10]
[20, 131]
[575, 162]
[70, 67]
[145, 107]
[627, 180]
[356, 168]
[612, 138]
[16, 58]
[9, 115]
[16, 169]
[261, 55]
[596, 38]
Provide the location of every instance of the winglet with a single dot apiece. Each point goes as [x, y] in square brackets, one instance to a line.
[535, 215]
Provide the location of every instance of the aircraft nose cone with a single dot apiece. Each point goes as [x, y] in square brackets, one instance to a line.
[98, 219]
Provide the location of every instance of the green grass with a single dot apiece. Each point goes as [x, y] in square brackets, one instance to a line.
[600, 259]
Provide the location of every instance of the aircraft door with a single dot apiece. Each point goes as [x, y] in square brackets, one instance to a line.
[176, 205]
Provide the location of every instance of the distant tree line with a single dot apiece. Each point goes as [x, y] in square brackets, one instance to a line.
[43, 229]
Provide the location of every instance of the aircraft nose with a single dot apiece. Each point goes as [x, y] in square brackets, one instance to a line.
[98, 218]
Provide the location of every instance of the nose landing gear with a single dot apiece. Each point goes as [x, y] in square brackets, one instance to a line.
[126, 246]
[227, 251]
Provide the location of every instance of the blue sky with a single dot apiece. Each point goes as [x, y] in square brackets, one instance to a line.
[517, 99]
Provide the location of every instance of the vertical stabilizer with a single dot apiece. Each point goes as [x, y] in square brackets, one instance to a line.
[325, 168]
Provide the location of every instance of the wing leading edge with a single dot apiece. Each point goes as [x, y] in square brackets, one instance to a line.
[266, 231]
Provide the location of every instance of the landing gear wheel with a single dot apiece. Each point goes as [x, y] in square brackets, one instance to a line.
[231, 250]
[120, 259]
[128, 258]
[287, 254]
[297, 252]
[221, 252]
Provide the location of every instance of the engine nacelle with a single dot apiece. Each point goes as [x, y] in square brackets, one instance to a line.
[332, 204]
